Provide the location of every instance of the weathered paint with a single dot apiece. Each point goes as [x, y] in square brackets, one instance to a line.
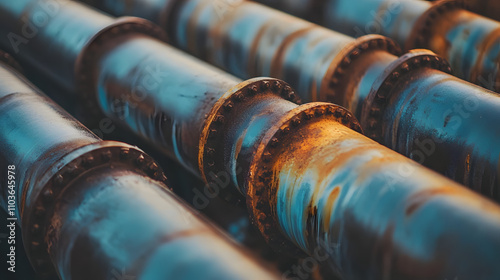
[248, 39]
[377, 214]
[469, 41]
[93, 209]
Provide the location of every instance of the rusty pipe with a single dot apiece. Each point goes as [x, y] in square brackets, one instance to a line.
[470, 42]
[93, 209]
[127, 73]
[487, 8]
[364, 75]
[249, 123]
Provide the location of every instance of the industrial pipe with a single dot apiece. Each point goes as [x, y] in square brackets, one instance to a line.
[488, 8]
[409, 104]
[93, 209]
[309, 179]
[470, 42]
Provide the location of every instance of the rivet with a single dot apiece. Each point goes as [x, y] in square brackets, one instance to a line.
[238, 97]
[266, 157]
[346, 61]
[139, 161]
[124, 154]
[210, 152]
[228, 106]
[372, 123]
[395, 75]
[35, 246]
[153, 167]
[286, 90]
[319, 112]
[334, 82]
[252, 89]
[73, 170]
[88, 160]
[48, 195]
[339, 113]
[274, 142]
[58, 180]
[35, 229]
[277, 86]
[213, 133]
[375, 111]
[308, 115]
[405, 68]
[330, 110]
[106, 155]
[219, 119]
[264, 85]
[285, 130]
[355, 53]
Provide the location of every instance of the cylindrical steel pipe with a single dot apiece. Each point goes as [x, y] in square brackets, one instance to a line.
[93, 209]
[363, 75]
[243, 140]
[470, 42]
[488, 8]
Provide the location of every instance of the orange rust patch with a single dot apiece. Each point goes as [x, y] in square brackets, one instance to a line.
[332, 198]
[438, 42]
[420, 198]
[482, 49]
[467, 163]
[252, 63]
[277, 60]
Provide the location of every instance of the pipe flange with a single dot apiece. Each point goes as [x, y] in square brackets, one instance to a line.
[106, 38]
[211, 156]
[260, 197]
[335, 81]
[381, 91]
[37, 235]
[419, 35]
[9, 60]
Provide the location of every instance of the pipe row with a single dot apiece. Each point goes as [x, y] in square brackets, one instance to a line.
[409, 104]
[470, 42]
[488, 8]
[309, 179]
[93, 209]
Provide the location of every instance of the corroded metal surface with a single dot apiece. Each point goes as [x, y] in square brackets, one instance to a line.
[248, 39]
[469, 41]
[93, 209]
[309, 179]
[488, 8]
[371, 208]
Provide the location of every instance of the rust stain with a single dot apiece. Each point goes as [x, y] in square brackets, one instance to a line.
[486, 44]
[467, 163]
[252, 63]
[332, 198]
[278, 57]
[439, 42]
[420, 198]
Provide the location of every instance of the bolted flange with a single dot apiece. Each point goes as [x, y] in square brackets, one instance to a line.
[36, 219]
[260, 197]
[381, 91]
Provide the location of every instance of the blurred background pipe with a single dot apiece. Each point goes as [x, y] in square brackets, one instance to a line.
[408, 104]
[93, 209]
[488, 8]
[470, 42]
[310, 180]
